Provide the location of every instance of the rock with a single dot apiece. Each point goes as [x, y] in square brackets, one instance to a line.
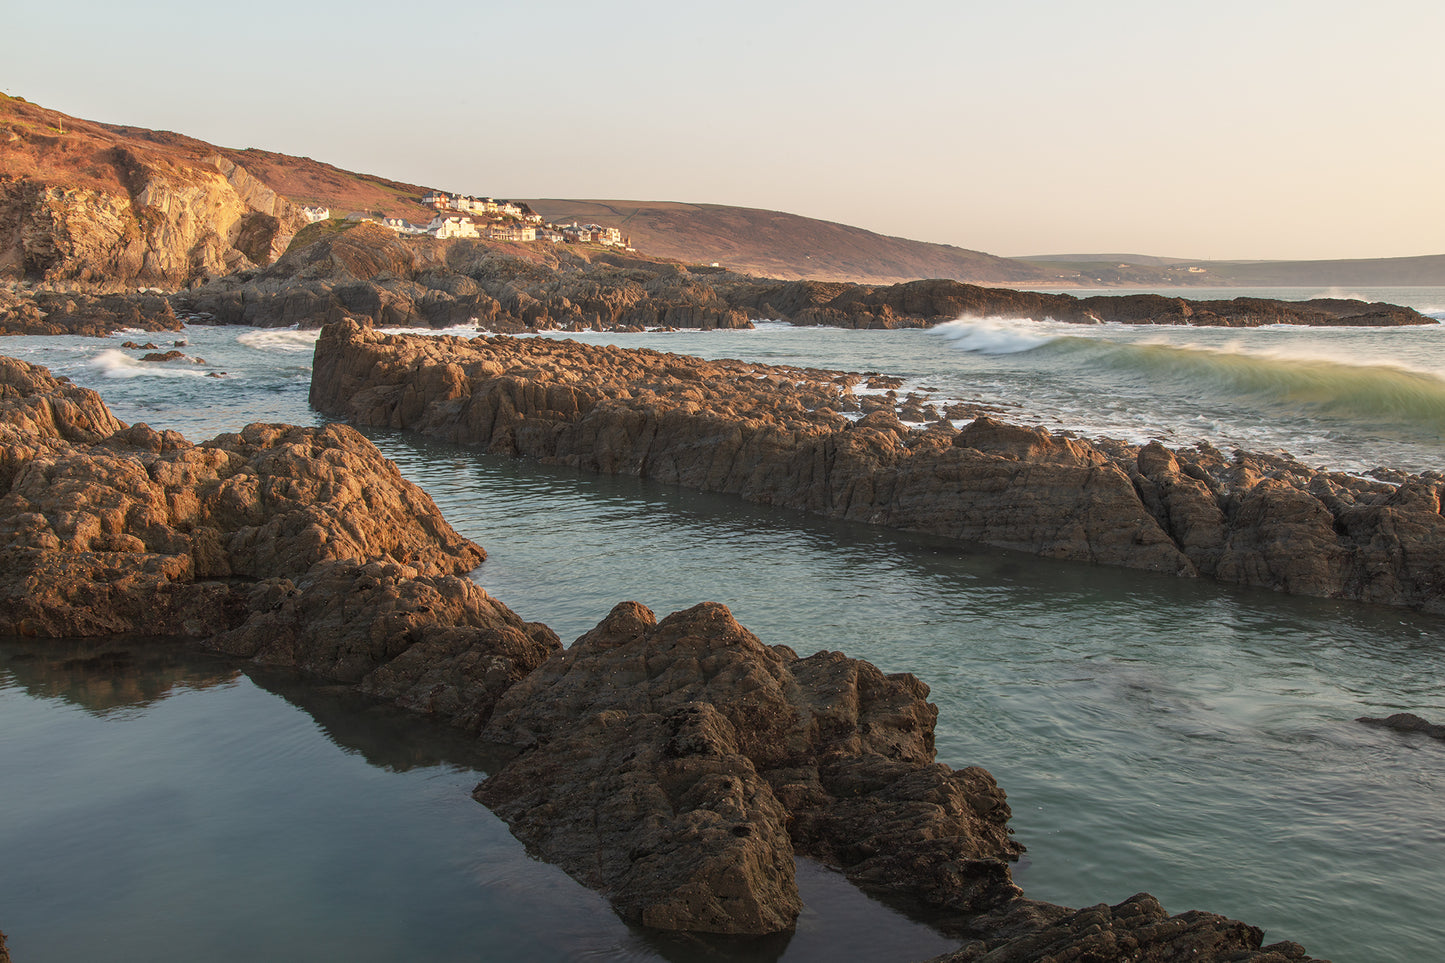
[291, 546]
[1406, 722]
[50, 312]
[677, 766]
[137, 217]
[171, 355]
[773, 435]
[1136, 929]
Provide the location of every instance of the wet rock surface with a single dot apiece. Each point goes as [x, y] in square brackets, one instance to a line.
[678, 766]
[24, 311]
[779, 436]
[300, 547]
[1406, 722]
[1137, 929]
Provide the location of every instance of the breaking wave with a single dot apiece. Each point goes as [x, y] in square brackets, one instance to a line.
[113, 363]
[282, 339]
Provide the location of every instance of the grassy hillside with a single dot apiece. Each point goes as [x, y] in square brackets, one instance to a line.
[54, 148]
[778, 245]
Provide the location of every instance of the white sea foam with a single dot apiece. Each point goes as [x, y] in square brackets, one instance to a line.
[467, 330]
[995, 335]
[281, 339]
[117, 364]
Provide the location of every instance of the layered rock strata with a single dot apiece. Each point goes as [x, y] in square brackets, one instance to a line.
[778, 436]
[155, 222]
[291, 546]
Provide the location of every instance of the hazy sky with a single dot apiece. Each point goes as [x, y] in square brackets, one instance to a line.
[1261, 129]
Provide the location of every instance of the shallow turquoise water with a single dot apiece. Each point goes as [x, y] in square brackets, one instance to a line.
[1183, 738]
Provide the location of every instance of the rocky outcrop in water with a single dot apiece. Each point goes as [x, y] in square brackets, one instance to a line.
[52, 312]
[677, 766]
[1406, 722]
[369, 271]
[1137, 929]
[778, 436]
[291, 546]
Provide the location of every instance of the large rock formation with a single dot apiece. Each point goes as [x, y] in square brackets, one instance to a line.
[111, 208]
[300, 547]
[776, 435]
[667, 764]
[55, 312]
[365, 270]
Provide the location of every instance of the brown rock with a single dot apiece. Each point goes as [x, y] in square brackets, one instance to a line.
[292, 546]
[773, 435]
[1136, 929]
[701, 748]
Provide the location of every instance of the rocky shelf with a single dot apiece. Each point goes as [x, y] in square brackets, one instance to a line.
[784, 436]
[676, 765]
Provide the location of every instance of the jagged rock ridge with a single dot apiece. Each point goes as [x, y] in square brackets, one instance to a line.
[778, 436]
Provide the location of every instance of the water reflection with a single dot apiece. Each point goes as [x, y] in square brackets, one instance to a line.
[166, 804]
[103, 676]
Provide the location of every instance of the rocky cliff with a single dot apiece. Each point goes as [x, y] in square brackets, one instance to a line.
[780, 436]
[81, 204]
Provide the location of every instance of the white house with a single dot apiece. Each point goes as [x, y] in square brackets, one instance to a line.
[314, 214]
[453, 226]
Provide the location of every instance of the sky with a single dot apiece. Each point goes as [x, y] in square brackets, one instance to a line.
[1271, 129]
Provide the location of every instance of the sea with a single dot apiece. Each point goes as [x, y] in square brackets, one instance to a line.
[1192, 740]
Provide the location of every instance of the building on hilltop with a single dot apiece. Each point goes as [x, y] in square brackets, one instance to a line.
[316, 213]
[452, 226]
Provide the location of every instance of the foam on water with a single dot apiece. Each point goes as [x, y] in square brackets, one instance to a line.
[284, 339]
[996, 335]
[112, 363]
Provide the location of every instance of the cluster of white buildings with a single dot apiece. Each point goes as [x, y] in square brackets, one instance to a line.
[495, 221]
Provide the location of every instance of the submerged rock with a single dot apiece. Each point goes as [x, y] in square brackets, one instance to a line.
[775, 435]
[1137, 929]
[1406, 722]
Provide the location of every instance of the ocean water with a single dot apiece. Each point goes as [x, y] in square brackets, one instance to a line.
[1178, 737]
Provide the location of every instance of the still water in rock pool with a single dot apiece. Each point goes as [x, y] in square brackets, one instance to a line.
[1183, 738]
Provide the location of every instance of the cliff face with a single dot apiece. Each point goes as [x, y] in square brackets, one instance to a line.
[172, 228]
[83, 204]
[777, 436]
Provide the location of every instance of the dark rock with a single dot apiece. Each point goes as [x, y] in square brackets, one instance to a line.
[1406, 722]
[676, 766]
[1137, 929]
